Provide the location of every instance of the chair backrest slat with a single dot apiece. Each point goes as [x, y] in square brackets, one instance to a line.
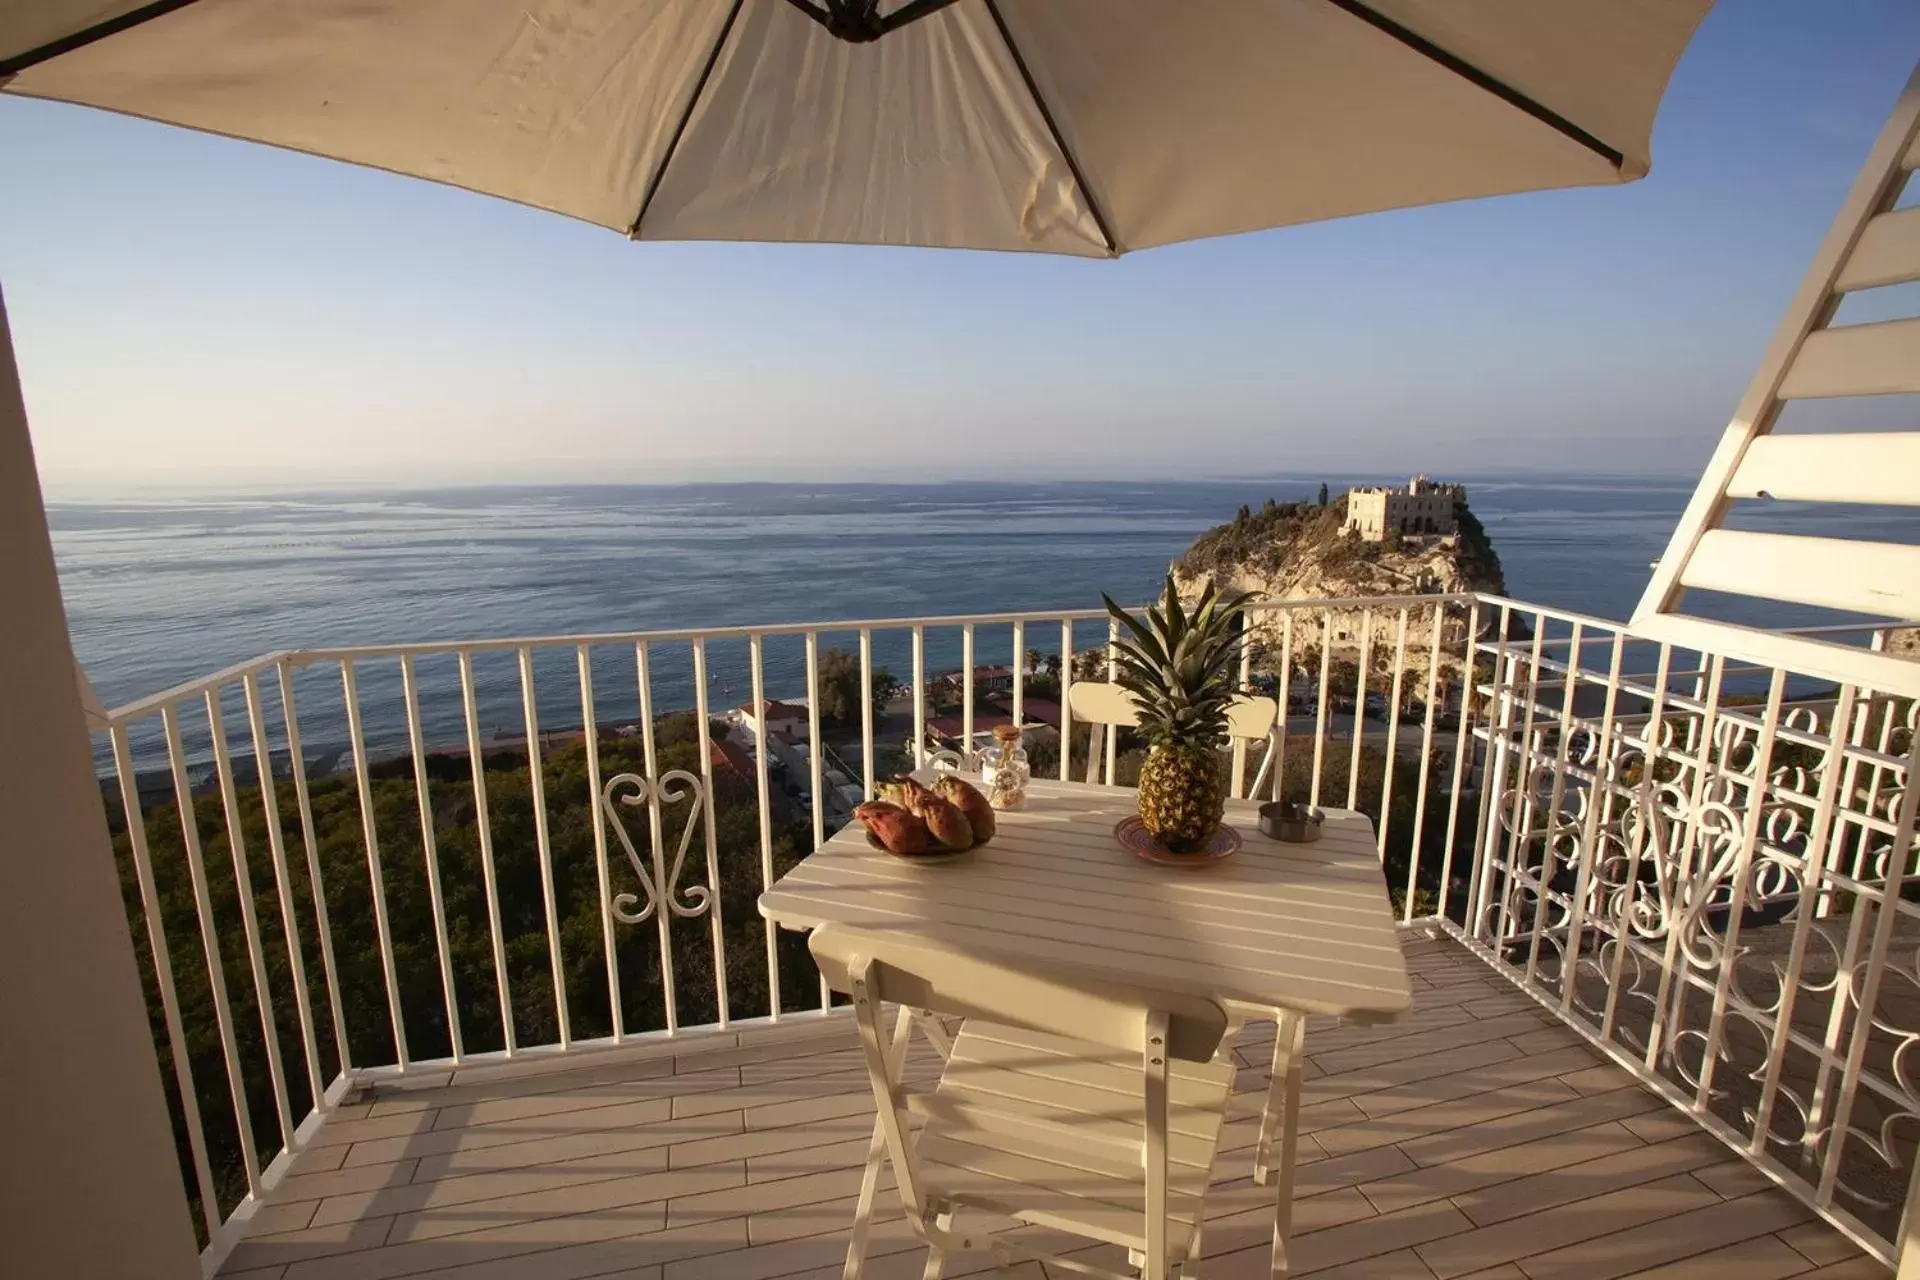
[921, 974]
[1252, 717]
[1105, 707]
[1098, 702]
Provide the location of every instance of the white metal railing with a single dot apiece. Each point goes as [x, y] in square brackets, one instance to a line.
[475, 851]
[1705, 869]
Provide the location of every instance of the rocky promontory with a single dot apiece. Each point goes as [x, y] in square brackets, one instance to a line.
[1311, 551]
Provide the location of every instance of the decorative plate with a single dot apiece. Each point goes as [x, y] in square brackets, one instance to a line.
[932, 857]
[1133, 835]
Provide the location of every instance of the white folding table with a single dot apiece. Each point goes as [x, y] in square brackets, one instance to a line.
[1298, 928]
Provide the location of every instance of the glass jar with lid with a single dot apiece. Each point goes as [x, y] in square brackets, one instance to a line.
[1005, 770]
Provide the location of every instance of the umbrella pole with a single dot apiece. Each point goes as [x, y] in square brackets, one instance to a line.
[93, 1182]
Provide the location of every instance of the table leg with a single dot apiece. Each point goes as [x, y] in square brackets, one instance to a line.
[1190, 1265]
[1289, 1043]
[942, 1043]
[863, 1210]
[876, 1154]
[936, 1251]
[1273, 1104]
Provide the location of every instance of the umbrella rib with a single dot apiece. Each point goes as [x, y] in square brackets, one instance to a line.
[13, 66]
[1480, 79]
[680, 127]
[1060, 143]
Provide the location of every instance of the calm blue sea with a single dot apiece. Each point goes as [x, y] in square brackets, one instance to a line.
[161, 591]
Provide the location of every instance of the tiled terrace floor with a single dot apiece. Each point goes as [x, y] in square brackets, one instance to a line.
[1478, 1139]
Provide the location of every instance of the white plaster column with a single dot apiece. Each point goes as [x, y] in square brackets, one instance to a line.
[89, 1183]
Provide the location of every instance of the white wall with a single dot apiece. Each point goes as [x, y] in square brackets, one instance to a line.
[89, 1183]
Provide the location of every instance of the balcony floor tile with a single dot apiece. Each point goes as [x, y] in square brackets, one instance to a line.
[1477, 1139]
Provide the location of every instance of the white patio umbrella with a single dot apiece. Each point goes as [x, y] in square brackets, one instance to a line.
[1087, 127]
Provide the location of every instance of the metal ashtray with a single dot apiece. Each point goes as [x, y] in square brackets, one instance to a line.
[1293, 823]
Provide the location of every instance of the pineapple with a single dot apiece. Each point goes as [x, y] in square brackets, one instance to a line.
[1179, 665]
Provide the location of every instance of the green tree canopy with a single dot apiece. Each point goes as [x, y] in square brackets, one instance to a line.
[840, 688]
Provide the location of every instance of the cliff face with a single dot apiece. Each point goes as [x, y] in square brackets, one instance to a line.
[1300, 552]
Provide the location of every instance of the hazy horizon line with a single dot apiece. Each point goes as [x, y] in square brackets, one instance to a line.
[57, 490]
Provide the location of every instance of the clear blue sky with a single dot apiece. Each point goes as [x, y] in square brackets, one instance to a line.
[191, 309]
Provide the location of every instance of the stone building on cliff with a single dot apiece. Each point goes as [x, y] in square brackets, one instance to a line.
[1417, 507]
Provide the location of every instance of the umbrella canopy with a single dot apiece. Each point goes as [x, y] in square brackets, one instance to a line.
[1087, 127]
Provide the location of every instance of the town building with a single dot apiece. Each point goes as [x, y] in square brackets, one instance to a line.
[1420, 506]
[782, 717]
[986, 679]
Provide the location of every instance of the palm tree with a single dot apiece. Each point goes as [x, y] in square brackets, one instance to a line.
[1090, 664]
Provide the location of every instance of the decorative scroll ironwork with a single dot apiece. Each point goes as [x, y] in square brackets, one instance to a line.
[1681, 892]
[658, 881]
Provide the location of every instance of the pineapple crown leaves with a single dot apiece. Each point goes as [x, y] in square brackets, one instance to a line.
[1178, 663]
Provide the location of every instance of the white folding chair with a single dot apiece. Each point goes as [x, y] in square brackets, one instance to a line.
[1251, 719]
[1103, 708]
[1088, 1109]
[1107, 707]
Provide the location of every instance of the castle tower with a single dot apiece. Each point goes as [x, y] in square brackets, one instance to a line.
[1419, 508]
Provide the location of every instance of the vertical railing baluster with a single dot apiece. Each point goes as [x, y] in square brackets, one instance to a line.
[283, 888]
[1742, 868]
[483, 829]
[543, 843]
[430, 853]
[1818, 1126]
[1856, 733]
[1019, 672]
[322, 926]
[1113, 731]
[1361, 679]
[966, 691]
[163, 977]
[1493, 777]
[1568, 688]
[866, 713]
[1463, 743]
[663, 913]
[919, 698]
[716, 926]
[249, 917]
[1244, 677]
[814, 769]
[1693, 721]
[1886, 914]
[1876, 779]
[1320, 715]
[375, 876]
[1648, 832]
[1599, 803]
[1813, 871]
[1393, 740]
[1066, 702]
[1426, 761]
[754, 652]
[1704, 738]
[210, 945]
[1285, 691]
[590, 732]
[1524, 749]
